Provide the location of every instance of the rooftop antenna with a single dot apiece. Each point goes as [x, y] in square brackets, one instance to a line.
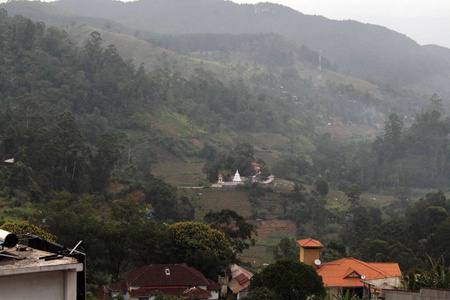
[75, 247]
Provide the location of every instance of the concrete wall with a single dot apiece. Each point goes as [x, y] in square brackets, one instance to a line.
[39, 286]
[424, 294]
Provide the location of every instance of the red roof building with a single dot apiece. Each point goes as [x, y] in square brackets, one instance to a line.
[361, 278]
[174, 280]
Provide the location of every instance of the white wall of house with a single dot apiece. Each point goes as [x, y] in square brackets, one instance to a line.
[61, 284]
[214, 295]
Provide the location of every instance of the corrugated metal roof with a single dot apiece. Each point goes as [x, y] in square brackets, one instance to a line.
[240, 279]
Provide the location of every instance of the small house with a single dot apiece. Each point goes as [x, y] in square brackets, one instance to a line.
[168, 279]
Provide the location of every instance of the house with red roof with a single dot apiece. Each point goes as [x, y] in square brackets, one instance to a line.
[256, 167]
[173, 280]
[361, 278]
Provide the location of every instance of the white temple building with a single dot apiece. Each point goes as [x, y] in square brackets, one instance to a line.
[237, 177]
[237, 180]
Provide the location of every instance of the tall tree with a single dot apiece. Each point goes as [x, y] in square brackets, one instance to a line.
[392, 137]
[108, 153]
[236, 229]
[206, 249]
[289, 279]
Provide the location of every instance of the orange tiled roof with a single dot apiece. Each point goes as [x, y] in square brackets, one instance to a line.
[310, 243]
[347, 272]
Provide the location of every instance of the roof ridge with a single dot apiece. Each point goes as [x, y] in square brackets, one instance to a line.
[197, 273]
[382, 272]
[144, 269]
[310, 243]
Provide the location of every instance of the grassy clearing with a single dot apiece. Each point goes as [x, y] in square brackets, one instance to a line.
[262, 252]
[178, 171]
[174, 124]
[11, 213]
[218, 199]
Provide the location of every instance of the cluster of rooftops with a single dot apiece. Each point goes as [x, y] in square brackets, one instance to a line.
[60, 272]
[181, 280]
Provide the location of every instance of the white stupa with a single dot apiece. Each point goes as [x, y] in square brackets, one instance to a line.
[237, 177]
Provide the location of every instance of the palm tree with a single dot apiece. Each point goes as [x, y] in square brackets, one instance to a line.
[437, 277]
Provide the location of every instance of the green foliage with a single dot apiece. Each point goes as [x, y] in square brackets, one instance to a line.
[289, 279]
[287, 248]
[25, 227]
[262, 293]
[240, 159]
[321, 186]
[206, 249]
[116, 242]
[347, 296]
[167, 204]
[437, 276]
[335, 250]
[236, 229]
[353, 192]
[108, 153]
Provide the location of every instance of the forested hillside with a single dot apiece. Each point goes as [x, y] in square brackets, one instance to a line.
[367, 51]
[82, 130]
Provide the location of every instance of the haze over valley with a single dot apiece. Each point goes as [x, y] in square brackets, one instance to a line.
[119, 119]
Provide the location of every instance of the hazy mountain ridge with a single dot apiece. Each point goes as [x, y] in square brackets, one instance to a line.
[363, 50]
[266, 54]
[367, 51]
[55, 16]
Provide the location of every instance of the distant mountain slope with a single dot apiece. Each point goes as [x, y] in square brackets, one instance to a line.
[363, 50]
[56, 16]
[371, 52]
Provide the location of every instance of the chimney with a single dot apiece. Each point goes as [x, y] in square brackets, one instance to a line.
[310, 252]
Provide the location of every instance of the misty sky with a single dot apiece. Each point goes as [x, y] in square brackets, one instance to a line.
[425, 21]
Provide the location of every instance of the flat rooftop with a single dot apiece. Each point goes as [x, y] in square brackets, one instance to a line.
[22, 259]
